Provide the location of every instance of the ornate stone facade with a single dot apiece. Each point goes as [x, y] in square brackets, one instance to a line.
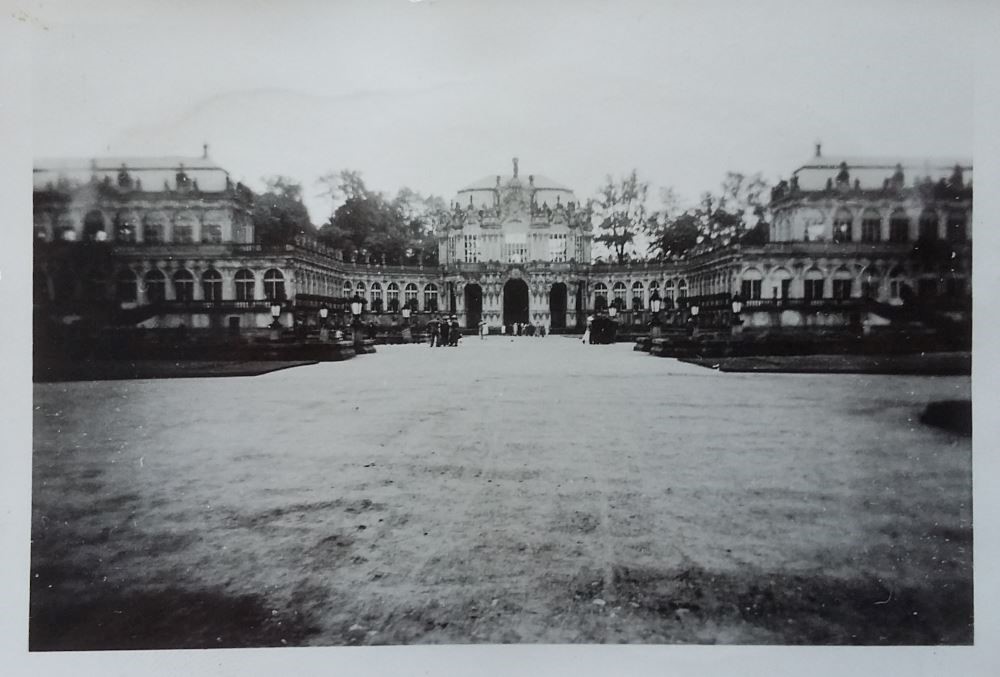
[175, 236]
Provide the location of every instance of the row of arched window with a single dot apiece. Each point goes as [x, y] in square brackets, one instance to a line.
[389, 298]
[154, 283]
[620, 292]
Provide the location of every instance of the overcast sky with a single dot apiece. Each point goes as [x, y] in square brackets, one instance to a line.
[436, 94]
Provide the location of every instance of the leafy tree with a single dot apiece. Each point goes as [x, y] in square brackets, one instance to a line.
[371, 226]
[621, 214]
[733, 214]
[279, 215]
[672, 236]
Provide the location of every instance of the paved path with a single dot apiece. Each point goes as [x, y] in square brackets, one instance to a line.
[510, 490]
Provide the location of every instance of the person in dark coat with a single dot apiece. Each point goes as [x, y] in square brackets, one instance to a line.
[445, 338]
[434, 329]
[454, 333]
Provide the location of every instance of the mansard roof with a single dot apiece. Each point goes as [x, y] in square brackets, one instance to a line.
[871, 172]
[153, 171]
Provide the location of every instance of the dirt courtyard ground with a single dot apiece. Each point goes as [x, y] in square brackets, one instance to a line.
[526, 490]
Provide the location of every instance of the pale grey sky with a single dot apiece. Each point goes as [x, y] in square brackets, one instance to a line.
[439, 93]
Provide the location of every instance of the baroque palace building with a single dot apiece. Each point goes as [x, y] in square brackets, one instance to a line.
[169, 241]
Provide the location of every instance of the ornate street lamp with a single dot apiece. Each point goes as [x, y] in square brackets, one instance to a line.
[694, 318]
[612, 310]
[655, 303]
[737, 306]
[406, 333]
[357, 305]
[275, 322]
[324, 333]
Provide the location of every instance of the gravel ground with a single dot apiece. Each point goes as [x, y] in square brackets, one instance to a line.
[509, 490]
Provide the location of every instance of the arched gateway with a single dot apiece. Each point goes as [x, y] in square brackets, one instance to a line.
[473, 305]
[515, 301]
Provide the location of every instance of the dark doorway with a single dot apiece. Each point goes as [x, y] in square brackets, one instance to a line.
[557, 305]
[473, 305]
[515, 302]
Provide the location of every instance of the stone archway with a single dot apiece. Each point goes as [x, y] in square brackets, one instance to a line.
[515, 301]
[557, 306]
[473, 295]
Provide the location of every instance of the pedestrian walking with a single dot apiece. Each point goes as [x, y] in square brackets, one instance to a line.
[435, 331]
[586, 332]
[455, 332]
[483, 329]
[444, 339]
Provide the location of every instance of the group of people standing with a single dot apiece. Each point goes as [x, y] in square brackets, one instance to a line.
[444, 332]
[525, 329]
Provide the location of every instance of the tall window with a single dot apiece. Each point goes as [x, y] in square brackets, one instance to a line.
[244, 281]
[125, 227]
[431, 297]
[410, 293]
[348, 289]
[654, 288]
[581, 249]
[211, 233]
[156, 286]
[750, 289]
[813, 288]
[600, 295]
[557, 247]
[152, 232]
[618, 292]
[361, 290]
[516, 247]
[211, 285]
[929, 225]
[842, 288]
[682, 289]
[786, 288]
[93, 224]
[183, 232]
[392, 296]
[471, 248]
[126, 286]
[842, 222]
[183, 285]
[871, 226]
[957, 226]
[376, 295]
[899, 226]
[638, 296]
[274, 285]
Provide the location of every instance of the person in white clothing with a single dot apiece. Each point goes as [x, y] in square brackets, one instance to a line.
[586, 332]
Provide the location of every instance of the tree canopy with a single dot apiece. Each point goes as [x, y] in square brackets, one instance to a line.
[279, 214]
[620, 210]
[371, 226]
[733, 214]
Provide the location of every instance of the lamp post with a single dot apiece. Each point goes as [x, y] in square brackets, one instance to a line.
[737, 306]
[275, 325]
[655, 303]
[324, 333]
[406, 324]
[694, 319]
[357, 305]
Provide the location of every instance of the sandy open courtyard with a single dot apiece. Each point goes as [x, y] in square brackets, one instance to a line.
[528, 490]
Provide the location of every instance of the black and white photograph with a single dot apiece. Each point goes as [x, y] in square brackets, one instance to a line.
[505, 325]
